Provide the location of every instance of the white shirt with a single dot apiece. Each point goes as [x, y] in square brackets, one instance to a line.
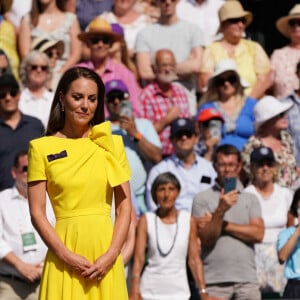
[36, 107]
[15, 220]
[198, 177]
[204, 15]
[274, 210]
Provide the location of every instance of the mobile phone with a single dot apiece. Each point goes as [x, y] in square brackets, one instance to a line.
[229, 184]
[126, 108]
[215, 128]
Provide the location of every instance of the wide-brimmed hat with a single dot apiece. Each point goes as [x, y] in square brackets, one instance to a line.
[99, 26]
[232, 9]
[42, 44]
[282, 23]
[5, 5]
[267, 108]
[226, 65]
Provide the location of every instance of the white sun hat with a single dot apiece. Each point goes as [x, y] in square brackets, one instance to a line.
[267, 108]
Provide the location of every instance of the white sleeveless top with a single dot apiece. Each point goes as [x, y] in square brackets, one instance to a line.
[165, 278]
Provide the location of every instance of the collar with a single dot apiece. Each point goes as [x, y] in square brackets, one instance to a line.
[15, 195]
[158, 91]
[178, 162]
[29, 96]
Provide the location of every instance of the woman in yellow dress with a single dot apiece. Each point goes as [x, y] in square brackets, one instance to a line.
[80, 164]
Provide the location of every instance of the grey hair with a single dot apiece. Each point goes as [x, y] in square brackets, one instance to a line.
[29, 59]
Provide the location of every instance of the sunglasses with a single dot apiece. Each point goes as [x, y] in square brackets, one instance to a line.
[237, 20]
[23, 169]
[231, 79]
[188, 134]
[52, 53]
[268, 163]
[116, 95]
[294, 22]
[104, 39]
[12, 92]
[35, 67]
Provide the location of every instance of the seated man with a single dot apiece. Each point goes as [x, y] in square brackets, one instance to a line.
[194, 173]
[141, 141]
[22, 251]
[229, 223]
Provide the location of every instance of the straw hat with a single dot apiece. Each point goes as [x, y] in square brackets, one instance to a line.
[226, 65]
[99, 26]
[233, 10]
[267, 108]
[5, 6]
[282, 23]
[42, 44]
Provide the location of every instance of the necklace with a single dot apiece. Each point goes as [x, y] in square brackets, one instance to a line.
[161, 253]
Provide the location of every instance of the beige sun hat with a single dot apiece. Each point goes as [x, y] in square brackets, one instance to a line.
[226, 65]
[282, 23]
[267, 108]
[98, 26]
[232, 9]
[42, 44]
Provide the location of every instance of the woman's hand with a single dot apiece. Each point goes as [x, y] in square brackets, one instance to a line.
[77, 263]
[135, 296]
[100, 267]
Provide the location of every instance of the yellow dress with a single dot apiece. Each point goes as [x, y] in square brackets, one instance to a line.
[81, 174]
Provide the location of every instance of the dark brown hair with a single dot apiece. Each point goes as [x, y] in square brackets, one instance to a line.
[57, 116]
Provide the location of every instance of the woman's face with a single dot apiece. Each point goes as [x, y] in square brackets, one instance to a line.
[280, 122]
[123, 5]
[264, 172]
[80, 102]
[227, 84]
[37, 71]
[234, 28]
[166, 195]
[3, 64]
[294, 28]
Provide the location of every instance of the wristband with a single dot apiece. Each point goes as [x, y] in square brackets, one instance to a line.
[202, 291]
[137, 137]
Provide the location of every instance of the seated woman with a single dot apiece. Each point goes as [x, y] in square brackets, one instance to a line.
[275, 202]
[226, 94]
[288, 248]
[170, 236]
[270, 131]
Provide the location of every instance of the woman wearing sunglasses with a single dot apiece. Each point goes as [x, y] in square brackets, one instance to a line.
[36, 99]
[275, 202]
[226, 94]
[270, 131]
[251, 59]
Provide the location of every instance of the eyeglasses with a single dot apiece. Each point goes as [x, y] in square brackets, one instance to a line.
[12, 92]
[237, 20]
[23, 169]
[179, 135]
[41, 67]
[263, 163]
[116, 95]
[52, 53]
[294, 22]
[231, 79]
[104, 39]
[231, 166]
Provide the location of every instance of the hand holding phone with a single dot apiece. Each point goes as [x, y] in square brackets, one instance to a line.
[126, 108]
[229, 184]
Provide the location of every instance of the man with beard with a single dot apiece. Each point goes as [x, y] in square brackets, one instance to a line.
[163, 101]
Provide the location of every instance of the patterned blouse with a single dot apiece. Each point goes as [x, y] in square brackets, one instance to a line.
[287, 168]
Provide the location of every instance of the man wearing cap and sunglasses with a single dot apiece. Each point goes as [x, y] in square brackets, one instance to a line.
[99, 38]
[22, 252]
[194, 173]
[16, 129]
[142, 144]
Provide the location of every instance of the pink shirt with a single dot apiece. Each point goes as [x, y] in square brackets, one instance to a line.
[115, 70]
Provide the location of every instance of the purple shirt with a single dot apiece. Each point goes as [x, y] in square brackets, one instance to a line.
[115, 70]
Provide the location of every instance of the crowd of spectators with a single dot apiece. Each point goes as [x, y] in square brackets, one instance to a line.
[191, 95]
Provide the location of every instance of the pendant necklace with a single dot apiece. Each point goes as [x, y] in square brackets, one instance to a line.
[161, 253]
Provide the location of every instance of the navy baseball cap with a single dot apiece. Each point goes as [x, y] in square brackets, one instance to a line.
[182, 125]
[8, 80]
[262, 154]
